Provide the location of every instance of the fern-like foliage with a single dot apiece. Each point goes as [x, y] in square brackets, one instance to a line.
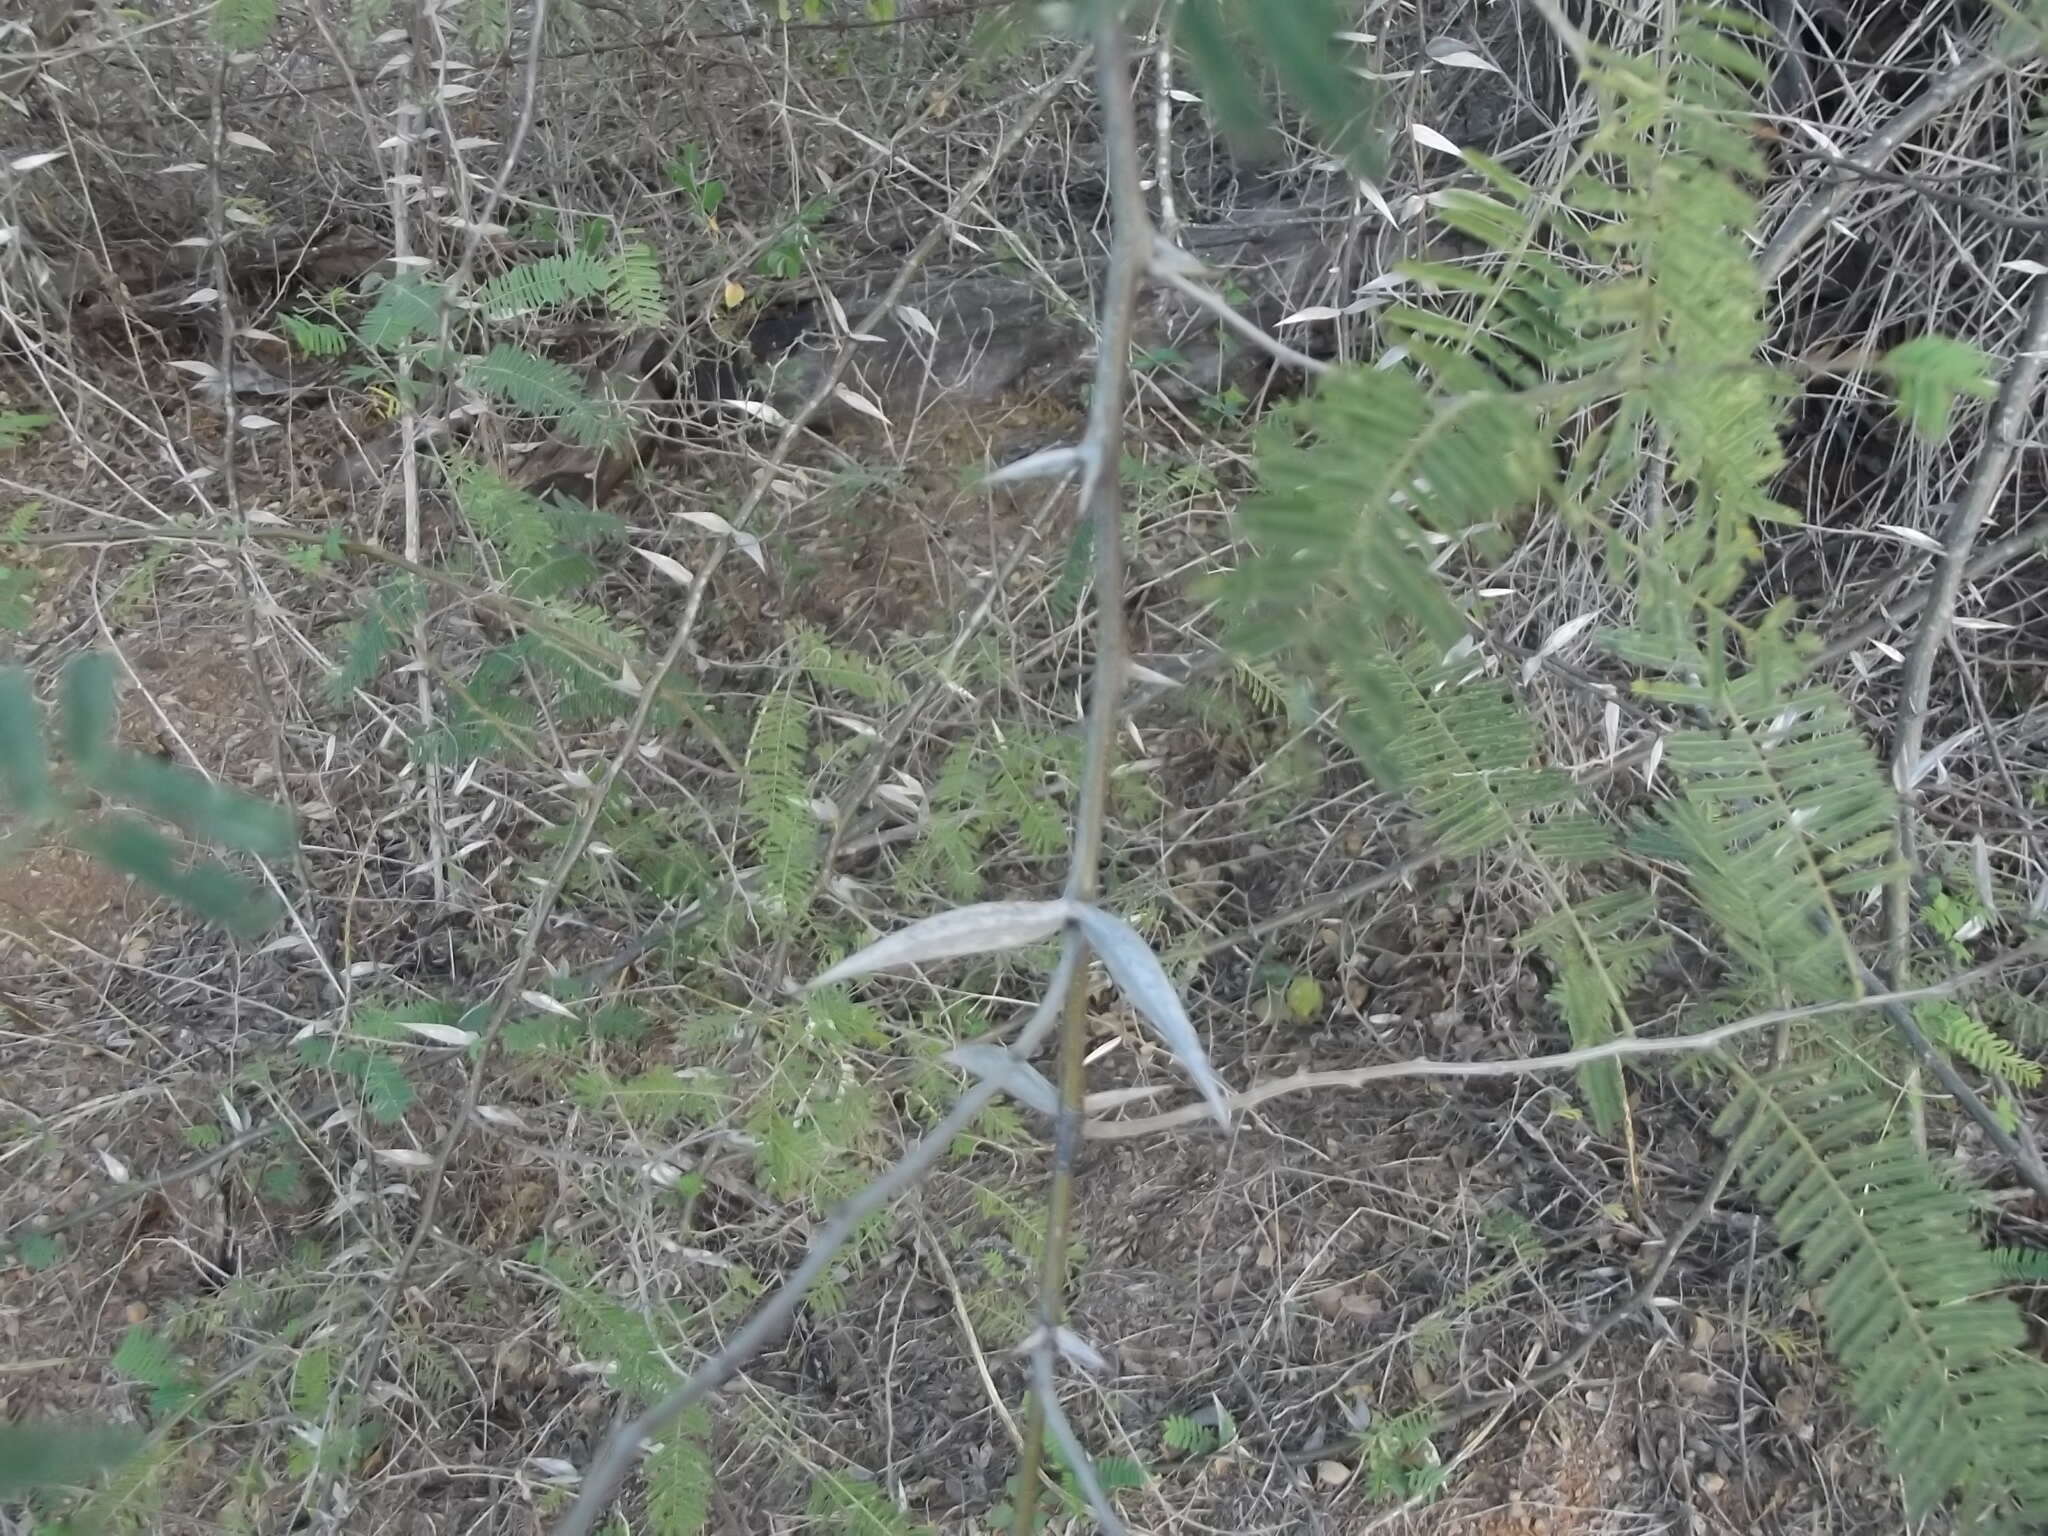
[313, 337]
[679, 1478]
[1963, 1034]
[1002, 788]
[1586, 334]
[1598, 949]
[407, 308]
[636, 1345]
[2023, 1266]
[368, 640]
[1187, 1436]
[633, 289]
[1456, 739]
[845, 1505]
[628, 283]
[778, 809]
[843, 671]
[543, 283]
[1933, 1356]
[1365, 491]
[241, 25]
[1785, 813]
[547, 390]
[510, 518]
[147, 1359]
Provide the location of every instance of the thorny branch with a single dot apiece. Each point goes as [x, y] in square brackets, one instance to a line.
[1102, 506]
[622, 1446]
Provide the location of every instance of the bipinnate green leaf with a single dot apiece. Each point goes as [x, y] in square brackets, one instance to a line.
[207, 812]
[50, 1454]
[242, 25]
[216, 893]
[17, 427]
[1143, 980]
[983, 929]
[24, 771]
[408, 307]
[1300, 37]
[1929, 373]
[86, 712]
[1229, 81]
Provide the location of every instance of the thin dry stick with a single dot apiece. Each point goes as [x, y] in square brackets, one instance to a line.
[231, 493]
[407, 123]
[2003, 431]
[10, 1244]
[2028, 540]
[1162, 128]
[608, 1473]
[1806, 220]
[1167, 265]
[2024, 1157]
[1101, 502]
[1626, 1048]
[2009, 416]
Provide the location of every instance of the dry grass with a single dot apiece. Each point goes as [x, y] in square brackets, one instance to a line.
[1332, 1266]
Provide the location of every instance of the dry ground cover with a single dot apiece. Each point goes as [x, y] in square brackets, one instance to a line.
[267, 1197]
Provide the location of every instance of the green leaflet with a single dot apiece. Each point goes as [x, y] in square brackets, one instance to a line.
[1908, 1293]
[46, 1454]
[242, 25]
[205, 811]
[1297, 38]
[546, 389]
[1229, 89]
[25, 787]
[407, 308]
[1592, 332]
[215, 892]
[1929, 374]
[85, 711]
[778, 807]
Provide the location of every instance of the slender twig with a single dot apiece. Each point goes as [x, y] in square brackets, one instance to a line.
[1933, 191]
[1045, 1395]
[1623, 1049]
[1987, 483]
[2030, 539]
[614, 1460]
[529, 100]
[1959, 540]
[1806, 219]
[1165, 268]
[1162, 128]
[112, 1201]
[435, 1180]
[231, 492]
[1102, 506]
[1390, 878]
[2024, 1156]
